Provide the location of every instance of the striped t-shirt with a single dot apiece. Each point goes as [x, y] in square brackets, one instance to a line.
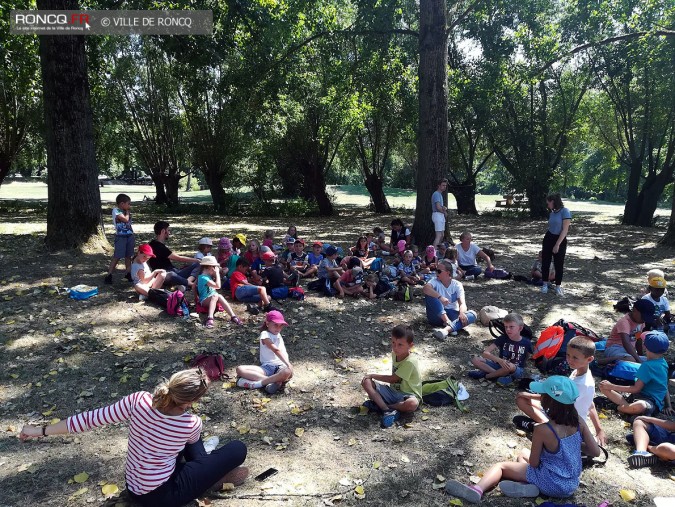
[155, 439]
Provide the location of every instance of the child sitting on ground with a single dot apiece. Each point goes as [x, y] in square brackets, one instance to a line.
[245, 291]
[271, 273]
[328, 268]
[457, 272]
[292, 232]
[654, 440]
[370, 285]
[467, 252]
[651, 387]
[351, 281]
[429, 260]
[417, 259]
[657, 289]
[406, 269]
[203, 249]
[653, 273]
[298, 262]
[268, 239]
[315, 257]
[535, 273]
[553, 464]
[622, 341]
[404, 392]
[239, 244]
[580, 352]
[208, 284]
[441, 250]
[361, 251]
[142, 276]
[380, 239]
[513, 353]
[275, 368]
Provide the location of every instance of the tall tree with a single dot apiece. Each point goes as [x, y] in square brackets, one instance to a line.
[74, 207]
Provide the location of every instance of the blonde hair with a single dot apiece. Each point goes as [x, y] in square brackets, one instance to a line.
[183, 387]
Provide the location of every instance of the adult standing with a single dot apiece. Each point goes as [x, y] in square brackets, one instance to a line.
[439, 211]
[445, 304]
[164, 256]
[554, 245]
[160, 432]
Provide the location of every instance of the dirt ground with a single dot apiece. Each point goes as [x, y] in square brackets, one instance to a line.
[62, 356]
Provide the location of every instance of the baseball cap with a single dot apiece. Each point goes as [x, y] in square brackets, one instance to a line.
[317, 243]
[225, 244]
[241, 238]
[267, 256]
[290, 240]
[274, 316]
[146, 249]
[206, 241]
[208, 261]
[658, 282]
[656, 342]
[646, 309]
[331, 250]
[560, 388]
[302, 242]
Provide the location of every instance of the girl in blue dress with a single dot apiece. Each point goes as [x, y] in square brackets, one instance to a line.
[553, 465]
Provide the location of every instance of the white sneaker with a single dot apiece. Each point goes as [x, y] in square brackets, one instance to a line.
[210, 444]
[559, 290]
[544, 288]
[462, 393]
[469, 278]
[440, 334]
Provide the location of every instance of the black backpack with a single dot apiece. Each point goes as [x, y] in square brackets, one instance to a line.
[160, 297]
[496, 327]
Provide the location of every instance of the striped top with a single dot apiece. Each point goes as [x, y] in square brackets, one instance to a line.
[155, 439]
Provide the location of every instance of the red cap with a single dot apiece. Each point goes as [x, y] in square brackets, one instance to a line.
[146, 249]
[267, 256]
[317, 243]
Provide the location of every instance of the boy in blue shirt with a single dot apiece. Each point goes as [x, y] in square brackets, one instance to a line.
[651, 387]
[513, 353]
[124, 236]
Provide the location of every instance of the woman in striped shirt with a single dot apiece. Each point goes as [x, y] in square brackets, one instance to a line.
[161, 432]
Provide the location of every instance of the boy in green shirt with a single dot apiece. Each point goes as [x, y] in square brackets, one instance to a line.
[404, 392]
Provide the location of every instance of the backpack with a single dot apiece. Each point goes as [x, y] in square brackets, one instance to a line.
[160, 297]
[199, 308]
[623, 373]
[496, 327]
[403, 293]
[81, 292]
[279, 292]
[175, 303]
[316, 284]
[327, 288]
[212, 364]
[384, 288]
[444, 392]
[297, 293]
[499, 274]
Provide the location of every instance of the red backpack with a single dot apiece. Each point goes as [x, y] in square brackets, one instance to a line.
[549, 343]
[174, 303]
[212, 364]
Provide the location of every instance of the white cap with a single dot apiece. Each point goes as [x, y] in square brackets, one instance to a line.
[206, 241]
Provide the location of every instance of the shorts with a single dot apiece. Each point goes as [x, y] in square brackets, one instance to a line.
[649, 401]
[496, 366]
[247, 294]
[390, 395]
[659, 435]
[270, 369]
[439, 221]
[124, 246]
[619, 352]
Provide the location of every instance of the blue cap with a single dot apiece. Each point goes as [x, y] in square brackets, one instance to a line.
[331, 250]
[646, 309]
[560, 388]
[656, 342]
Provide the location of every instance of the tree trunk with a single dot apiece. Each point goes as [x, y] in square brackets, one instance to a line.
[4, 168]
[433, 111]
[314, 187]
[630, 211]
[648, 197]
[214, 182]
[376, 190]
[536, 193]
[74, 205]
[465, 195]
[669, 238]
[160, 192]
[171, 183]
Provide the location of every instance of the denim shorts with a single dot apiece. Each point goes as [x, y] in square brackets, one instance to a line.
[124, 246]
[496, 366]
[649, 401]
[390, 395]
[270, 369]
[247, 294]
[659, 435]
[619, 351]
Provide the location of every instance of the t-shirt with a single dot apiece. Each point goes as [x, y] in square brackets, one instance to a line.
[267, 355]
[348, 280]
[436, 197]
[398, 236]
[453, 292]
[121, 228]
[250, 256]
[555, 220]
[406, 269]
[297, 261]
[155, 439]
[661, 306]
[204, 290]
[236, 280]
[514, 352]
[654, 374]
[361, 254]
[408, 371]
[231, 265]
[468, 257]
[417, 262]
[586, 387]
[314, 260]
[273, 276]
[161, 259]
[139, 266]
[624, 325]
[428, 262]
[324, 264]
[268, 243]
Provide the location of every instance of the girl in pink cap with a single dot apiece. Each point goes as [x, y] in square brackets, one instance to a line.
[275, 368]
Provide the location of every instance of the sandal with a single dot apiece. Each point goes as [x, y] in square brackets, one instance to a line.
[209, 323]
[237, 321]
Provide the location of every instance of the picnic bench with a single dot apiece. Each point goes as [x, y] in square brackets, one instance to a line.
[503, 203]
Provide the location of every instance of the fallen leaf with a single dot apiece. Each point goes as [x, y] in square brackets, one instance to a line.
[109, 490]
[403, 493]
[405, 459]
[440, 478]
[352, 441]
[425, 410]
[627, 495]
[145, 377]
[49, 412]
[602, 416]
[438, 485]
[79, 492]
[299, 432]
[345, 481]
[81, 477]
[456, 501]
[539, 500]
[359, 490]
[243, 429]
[227, 486]
[14, 375]
[377, 465]
[363, 410]
[28, 467]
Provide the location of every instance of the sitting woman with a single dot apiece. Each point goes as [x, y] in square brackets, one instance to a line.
[362, 252]
[160, 432]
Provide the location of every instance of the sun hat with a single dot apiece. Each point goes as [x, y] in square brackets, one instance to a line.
[331, 250]
[646, 309]
[401, 245]
[240, 237]
[658, 282]
[560, 388]
[209, 260]
[317, 243]
[146, 249]
[268, 256]
[656, 342]
[488, 313]
[274, 316]
[225, 244]
[206, 241]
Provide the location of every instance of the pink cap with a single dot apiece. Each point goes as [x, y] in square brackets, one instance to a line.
[431, 251]
[225, 244]
[401, 245]
[275, 316]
